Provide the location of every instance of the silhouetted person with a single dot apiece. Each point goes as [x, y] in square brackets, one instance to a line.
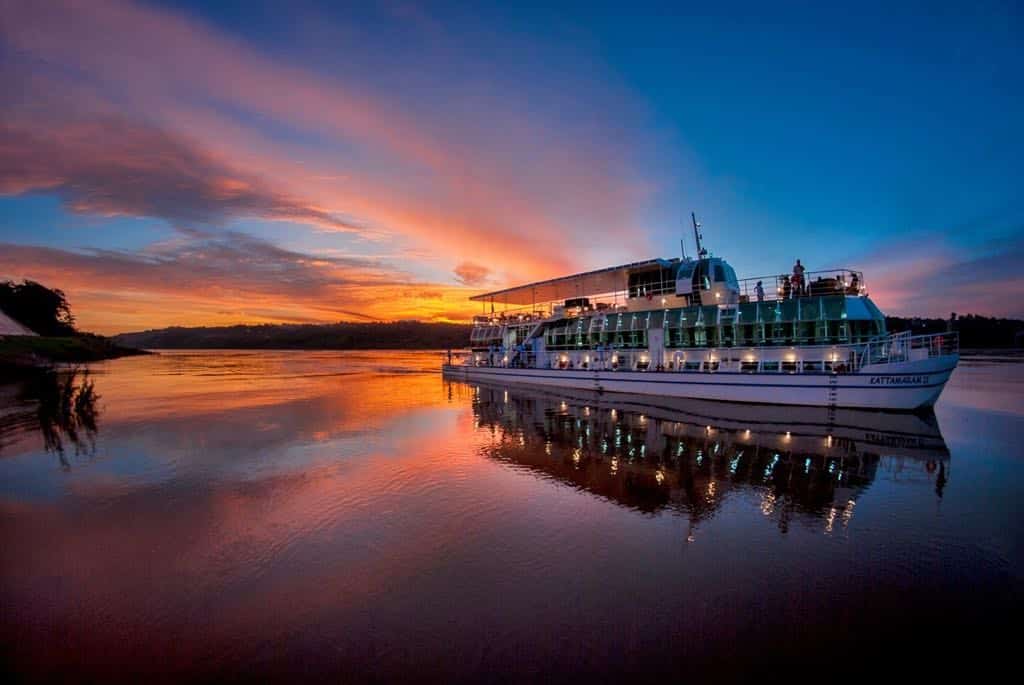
[798, 278]
[787, 288]
[759, 291]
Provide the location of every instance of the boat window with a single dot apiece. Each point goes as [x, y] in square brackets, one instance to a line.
[811, 367]
[649, 283]
[770, 366]
[719, 274]
[730, 277]
[789, 367]
[692, 366]
[748, 367]
[700, 277]
[711, 366]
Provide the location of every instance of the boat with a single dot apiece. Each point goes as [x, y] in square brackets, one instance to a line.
[689, 328]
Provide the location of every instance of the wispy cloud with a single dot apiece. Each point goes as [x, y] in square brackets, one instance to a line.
[111, 166]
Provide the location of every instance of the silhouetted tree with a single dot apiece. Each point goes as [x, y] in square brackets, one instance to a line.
[44, 310]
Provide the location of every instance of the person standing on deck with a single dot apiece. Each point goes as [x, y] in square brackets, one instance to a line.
[759, 291]
[798, 279]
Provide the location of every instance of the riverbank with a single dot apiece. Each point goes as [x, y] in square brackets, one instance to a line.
[20, 353]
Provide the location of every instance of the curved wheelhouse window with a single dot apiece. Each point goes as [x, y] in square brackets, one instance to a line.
[701, 277]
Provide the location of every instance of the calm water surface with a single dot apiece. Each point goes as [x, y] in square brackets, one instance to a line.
[353, 517]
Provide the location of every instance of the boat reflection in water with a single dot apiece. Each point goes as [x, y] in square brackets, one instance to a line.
[690, 456]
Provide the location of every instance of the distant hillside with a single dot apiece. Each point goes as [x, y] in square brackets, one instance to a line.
[339, 336]
[975, 332]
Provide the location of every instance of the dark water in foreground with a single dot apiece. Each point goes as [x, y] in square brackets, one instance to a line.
[352, 516]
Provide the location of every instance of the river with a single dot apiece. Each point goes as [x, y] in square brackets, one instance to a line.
[353, 516]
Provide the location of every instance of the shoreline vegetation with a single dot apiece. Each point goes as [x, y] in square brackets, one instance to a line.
[395, 335]
[21, 353]
[37, 332]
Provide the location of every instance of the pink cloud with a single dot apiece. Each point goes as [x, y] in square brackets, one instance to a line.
[493, 179]
[921, 278]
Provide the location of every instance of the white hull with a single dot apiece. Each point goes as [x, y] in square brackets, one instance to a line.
[903, 386]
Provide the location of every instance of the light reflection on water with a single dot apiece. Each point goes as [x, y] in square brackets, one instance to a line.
[352, 514]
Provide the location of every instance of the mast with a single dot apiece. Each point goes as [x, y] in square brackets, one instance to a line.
[701, 252]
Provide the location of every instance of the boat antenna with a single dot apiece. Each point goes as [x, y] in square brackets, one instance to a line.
[701, 252]
[682, 245]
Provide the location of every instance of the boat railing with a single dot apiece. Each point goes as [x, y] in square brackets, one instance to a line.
[816, 283]
[903, 347]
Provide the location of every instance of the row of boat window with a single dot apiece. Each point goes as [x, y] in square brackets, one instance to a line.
[782, 333]
[774, 366]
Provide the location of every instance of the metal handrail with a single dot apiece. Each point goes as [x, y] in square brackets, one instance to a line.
[900, 347]
[816, 283]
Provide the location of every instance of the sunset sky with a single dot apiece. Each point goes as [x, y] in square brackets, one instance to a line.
[181, 163]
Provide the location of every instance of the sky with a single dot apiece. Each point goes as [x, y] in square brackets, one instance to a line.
[187, 163]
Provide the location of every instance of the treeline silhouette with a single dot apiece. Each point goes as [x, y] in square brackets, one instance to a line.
[976, 332]
[44, 310]
[336, 336]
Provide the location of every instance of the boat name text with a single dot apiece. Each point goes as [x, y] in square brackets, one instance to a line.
[899, 380]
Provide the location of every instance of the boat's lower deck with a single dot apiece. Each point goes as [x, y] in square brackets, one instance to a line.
[894, 386]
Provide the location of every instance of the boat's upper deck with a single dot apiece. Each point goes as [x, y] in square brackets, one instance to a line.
[657, 284]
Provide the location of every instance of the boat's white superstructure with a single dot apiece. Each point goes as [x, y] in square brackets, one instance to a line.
[689, 328]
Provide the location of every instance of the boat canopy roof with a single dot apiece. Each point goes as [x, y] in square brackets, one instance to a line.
[611, 279]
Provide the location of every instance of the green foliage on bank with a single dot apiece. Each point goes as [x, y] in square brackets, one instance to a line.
[22, 351]
[406, 335]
